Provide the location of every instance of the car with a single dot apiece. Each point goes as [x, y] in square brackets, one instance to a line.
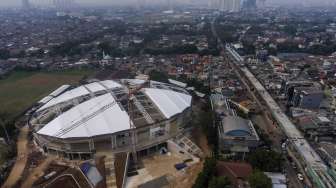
[300, 176]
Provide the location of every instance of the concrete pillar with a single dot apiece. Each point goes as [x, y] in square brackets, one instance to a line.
[167, 127]
[93, 146]
[112, 143]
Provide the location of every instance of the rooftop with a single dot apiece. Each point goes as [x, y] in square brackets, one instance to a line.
[106, 103]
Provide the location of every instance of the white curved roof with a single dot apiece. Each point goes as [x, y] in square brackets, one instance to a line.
[81, 91]
[169, 102]
[102, 115]
[88, 119]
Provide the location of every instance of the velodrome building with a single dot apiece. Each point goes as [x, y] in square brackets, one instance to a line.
[110, 116]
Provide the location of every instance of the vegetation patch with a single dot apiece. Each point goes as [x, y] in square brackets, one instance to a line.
[22, 88]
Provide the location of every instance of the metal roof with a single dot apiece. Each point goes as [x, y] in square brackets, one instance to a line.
[169, 102]
[235, 123]
[81, 91]
[104, 114]
[89, 119]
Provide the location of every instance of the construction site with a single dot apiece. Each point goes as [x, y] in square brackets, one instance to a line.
[112, 133]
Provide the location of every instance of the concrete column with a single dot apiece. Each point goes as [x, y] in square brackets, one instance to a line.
[112, 142]
[167, 127]
[93, 146]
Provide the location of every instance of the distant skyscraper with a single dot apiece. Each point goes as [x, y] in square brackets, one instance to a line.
[236, 6]
[25, 4]
[64, 4]
[261, 3]
[229, 5]
[250, 4]
[169, 4]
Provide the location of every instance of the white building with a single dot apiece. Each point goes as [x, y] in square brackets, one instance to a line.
[115, 116]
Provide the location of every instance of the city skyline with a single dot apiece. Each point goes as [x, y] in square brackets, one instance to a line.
[10, 3]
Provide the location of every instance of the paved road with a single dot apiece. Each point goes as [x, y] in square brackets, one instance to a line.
[21, 159]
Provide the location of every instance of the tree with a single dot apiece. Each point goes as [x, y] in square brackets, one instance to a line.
[266, 160]
[259, 180]
[219, 182]
[201, 181]
[207, 173]
[158, 76]
[4, 54]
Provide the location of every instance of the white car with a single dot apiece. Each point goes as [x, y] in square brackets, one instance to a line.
[300, 176]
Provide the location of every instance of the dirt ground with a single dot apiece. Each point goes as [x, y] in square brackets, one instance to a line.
[21, 160]
[159, 165]
[37, 172]
[201, 141]
[198, 136]
[187, 179]
[163, 165]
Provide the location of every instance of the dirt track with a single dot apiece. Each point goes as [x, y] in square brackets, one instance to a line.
[37, 173]
[21, 159]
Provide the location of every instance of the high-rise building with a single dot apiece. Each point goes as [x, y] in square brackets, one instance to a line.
[236, 6]
[63, 4]
[229, 5]
[250, 4]
[261, 3]
[25, 4]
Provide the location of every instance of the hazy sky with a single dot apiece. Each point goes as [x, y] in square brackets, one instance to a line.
[305, 2]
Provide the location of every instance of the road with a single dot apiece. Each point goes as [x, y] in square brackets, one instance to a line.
[21, 159]
[276, 137]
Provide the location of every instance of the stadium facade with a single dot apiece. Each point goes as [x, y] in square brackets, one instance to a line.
[110, 116]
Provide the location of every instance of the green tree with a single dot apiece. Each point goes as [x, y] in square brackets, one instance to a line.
[201, 180]
[219, 182]
[259, 180]
[207, 173]
[158, 76]
[4, 54]
[266, 160]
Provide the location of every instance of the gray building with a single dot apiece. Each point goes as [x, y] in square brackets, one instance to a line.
[307, 97]
[237, 135]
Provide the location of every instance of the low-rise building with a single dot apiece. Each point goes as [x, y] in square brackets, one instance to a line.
[307, 97]
[237, 135]
[238, 173]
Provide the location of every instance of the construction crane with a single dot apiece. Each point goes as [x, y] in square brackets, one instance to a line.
[131, 97]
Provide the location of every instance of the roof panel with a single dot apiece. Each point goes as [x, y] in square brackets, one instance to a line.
[169, 102]
[80, 91]
[102, 114]
[97, 121]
